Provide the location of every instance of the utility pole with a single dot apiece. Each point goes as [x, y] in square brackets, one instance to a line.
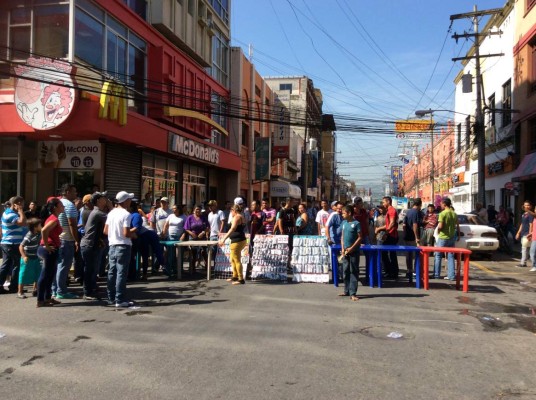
[479, 115]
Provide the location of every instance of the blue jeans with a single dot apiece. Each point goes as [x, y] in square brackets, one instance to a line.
[451, 274]
[149, 239]
[65, 261]
[533, 252]
[119, 259]
[350, 266]
[48, 273]
[10, 265]
[92, 258]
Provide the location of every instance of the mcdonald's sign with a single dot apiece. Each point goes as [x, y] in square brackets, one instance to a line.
[113, 103]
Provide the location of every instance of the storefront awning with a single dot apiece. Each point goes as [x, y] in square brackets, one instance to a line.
[526, 170]
[284, 189]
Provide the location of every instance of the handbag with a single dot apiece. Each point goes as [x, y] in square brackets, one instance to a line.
[525, 242]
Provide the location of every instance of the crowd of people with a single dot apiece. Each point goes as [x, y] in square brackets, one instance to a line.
[104, 237]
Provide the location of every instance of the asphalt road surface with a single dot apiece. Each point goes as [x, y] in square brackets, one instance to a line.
[210, 340]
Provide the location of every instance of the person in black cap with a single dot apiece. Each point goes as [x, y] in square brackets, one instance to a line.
[92, 244]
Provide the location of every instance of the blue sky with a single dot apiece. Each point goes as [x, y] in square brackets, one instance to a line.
[373, 60]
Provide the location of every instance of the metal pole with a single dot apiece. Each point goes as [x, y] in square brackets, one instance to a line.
[479, 121]
[432, 168]
[305, 159]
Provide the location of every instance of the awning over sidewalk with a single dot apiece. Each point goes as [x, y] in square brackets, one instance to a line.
[284, 189]
[526, 170]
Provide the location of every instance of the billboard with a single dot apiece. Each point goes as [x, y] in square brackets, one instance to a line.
[282, 136]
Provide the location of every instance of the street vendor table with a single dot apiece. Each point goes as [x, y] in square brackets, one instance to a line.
[426, 250]
[375, 262]
[198, 243]
[174, 268]
[335, 249]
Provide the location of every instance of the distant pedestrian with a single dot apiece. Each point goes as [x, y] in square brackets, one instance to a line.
[390, 261]
[48, 253]
[525, 229]
[430, 221]
[412, 232]
[118, 229]
[449, 233]
[30, 267]
[351, 239]
[322, 217]
[238, 242]
[13, 231]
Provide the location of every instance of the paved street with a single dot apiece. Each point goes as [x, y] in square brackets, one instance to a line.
[199, 340]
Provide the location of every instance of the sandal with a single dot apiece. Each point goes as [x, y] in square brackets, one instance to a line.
[343, 294]
[231, 279]
[354, 298]
[240, 282]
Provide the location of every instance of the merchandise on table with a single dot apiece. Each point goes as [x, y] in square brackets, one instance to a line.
[270, 257]
[310, 260]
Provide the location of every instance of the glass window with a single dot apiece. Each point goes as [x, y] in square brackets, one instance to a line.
[20, 42]
[51, 34]
[20, 16]
[91, 9]
[89, 39]
[8, 184]
[220, 58]
[285, 86]
[507, 103]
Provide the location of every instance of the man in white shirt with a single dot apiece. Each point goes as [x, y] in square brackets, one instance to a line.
[118, 229]
[216, 220]
[159, 217]
[322, 217]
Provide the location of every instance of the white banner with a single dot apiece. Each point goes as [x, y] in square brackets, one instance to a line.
[84, 154]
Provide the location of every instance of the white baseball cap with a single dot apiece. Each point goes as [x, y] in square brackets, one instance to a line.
[123, 196]
[239, 201]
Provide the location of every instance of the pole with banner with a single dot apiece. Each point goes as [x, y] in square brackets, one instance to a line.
[263, 157]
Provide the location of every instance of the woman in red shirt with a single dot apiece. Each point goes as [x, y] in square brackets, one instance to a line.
[48, 253]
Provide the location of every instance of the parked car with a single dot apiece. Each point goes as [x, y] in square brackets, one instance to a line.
[476, 238]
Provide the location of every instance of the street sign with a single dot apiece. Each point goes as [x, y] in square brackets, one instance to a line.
[413, 125]
[509, 185]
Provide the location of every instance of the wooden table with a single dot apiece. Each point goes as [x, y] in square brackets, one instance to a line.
[197, 243]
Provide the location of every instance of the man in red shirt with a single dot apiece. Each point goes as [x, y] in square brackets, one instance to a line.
[390, 261]
[361, 215]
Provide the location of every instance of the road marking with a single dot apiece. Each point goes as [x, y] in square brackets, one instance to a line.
[490, 271]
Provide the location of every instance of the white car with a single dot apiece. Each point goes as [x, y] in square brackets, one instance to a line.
[477, 238]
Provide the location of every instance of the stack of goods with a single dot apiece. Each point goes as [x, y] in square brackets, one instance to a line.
[270, 257]
[310, 260]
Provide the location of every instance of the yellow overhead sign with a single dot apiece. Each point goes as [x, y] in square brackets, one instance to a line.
[413, 125]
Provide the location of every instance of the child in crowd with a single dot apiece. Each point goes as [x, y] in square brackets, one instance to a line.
[30, 266]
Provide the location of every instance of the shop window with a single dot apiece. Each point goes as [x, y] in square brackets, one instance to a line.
[83, 180]
[159, 179]
[8, 178]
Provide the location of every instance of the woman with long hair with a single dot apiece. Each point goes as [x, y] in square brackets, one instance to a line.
[48, 253]
[303, 225]
[238, 242]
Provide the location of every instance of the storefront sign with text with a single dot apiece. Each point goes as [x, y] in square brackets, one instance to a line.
[193, 149]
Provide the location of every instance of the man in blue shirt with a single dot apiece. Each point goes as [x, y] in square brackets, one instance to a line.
[412, 232]
[13, 231]
[333, 226]
[350, 243]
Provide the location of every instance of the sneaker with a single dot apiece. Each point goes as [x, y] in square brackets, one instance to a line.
[124, 304]
[91, 297]
[66, 296]
[520, 266]
[21, 296]
[448, 279]
[52, 301]
[533, 269]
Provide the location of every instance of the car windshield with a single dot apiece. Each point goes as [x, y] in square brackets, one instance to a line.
[462, 219]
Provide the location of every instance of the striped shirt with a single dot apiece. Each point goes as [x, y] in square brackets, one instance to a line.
[70, 212]
[11, 232]
[30, 243]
